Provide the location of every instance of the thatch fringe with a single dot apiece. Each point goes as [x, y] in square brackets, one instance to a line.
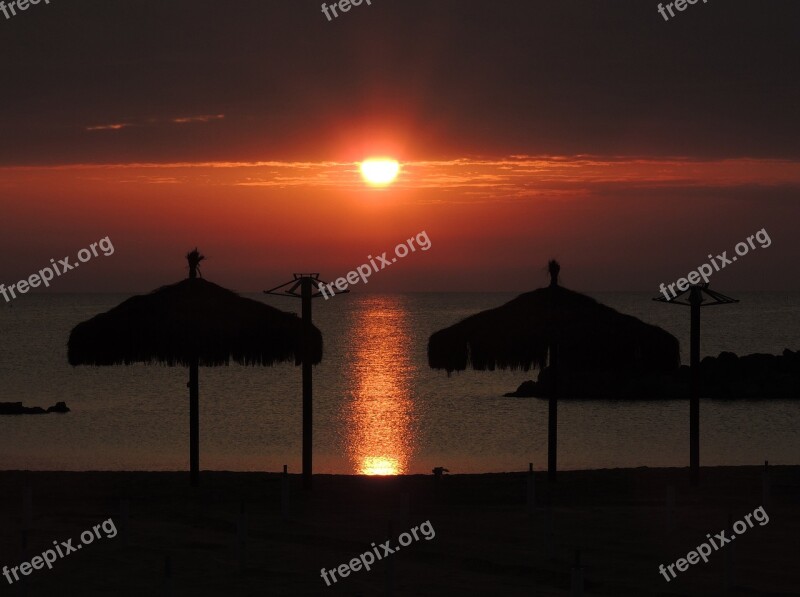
[518, 335]
[193, 318]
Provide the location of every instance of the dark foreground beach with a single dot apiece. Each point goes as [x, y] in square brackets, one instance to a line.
[486, 541]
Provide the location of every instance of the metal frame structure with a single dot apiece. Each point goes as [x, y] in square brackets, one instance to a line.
[306, 284]
[695, 299]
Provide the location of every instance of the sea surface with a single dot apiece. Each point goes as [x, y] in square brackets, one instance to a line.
[379, 408]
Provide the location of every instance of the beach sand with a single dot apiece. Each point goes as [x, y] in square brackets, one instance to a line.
[486, 540]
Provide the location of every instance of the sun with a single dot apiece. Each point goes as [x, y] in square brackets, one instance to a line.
[380, 172]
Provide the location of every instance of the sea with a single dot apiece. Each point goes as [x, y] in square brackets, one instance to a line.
[378, 407]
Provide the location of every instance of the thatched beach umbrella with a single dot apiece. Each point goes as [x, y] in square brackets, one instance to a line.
[575, 331]
[191, 323]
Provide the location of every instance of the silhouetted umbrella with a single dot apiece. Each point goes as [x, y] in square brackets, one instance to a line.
[191, 323]
[574, 330]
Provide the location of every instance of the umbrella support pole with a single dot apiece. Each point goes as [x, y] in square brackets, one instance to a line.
[699, 295]
[308, 400]
[194, 423]
[552, 438]
[306, 283]
[552, 418]
[695, 299]
[307, 426]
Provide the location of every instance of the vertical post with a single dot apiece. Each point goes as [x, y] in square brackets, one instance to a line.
[194, 422]
[530, 497]
[695, 299]
[552, 411]
[552, 416]
[194, 259]
[305, 287]
[285, 493]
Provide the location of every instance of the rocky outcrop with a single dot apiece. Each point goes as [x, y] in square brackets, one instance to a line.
[727, 376]
[59, 407]
[16, 408]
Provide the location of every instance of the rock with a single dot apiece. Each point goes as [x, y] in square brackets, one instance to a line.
[783, 385]
[527, 389]
[758, 367]
[790, 362]
[727, 376]
[16, 408]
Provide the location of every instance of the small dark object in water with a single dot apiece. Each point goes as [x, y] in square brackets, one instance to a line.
[527, 389]
[16, 408]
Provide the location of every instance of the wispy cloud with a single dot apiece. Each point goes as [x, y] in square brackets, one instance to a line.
[108, 127]
[506, 179]
[203, 118]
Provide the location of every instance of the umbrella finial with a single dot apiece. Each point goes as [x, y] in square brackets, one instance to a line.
[194, 259]
[553, 267]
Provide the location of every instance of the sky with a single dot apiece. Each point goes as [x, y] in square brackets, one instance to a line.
[592, 131]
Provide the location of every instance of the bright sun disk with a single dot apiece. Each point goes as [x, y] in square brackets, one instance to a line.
[380, 171]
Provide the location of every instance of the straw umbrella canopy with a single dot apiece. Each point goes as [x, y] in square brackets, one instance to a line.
[572, 331]
[192, 323]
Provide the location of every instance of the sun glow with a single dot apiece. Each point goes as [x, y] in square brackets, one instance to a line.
[380, 171]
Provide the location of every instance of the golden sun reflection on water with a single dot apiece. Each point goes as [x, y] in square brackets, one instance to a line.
[379, 465]
[380, 410]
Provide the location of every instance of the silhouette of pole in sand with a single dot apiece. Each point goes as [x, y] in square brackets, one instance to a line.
[194, 259]
[192, 323]
[306, 283]
[571, 330]
[552, 407]
[695, 300]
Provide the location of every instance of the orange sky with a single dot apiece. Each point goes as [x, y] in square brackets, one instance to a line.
[619, 223]
[626, 147]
